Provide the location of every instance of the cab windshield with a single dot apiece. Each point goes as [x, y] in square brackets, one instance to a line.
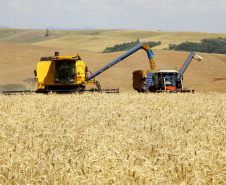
[170, 79]
[65, 71]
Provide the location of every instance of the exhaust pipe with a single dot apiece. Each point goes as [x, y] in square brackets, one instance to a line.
[56, 53]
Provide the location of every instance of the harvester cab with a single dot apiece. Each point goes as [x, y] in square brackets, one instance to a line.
[64, 71]
[165, 79]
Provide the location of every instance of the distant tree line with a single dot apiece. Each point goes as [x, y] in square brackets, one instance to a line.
[212, 45]
[128, 46]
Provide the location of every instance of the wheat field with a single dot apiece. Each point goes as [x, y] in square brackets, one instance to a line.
[125, 138]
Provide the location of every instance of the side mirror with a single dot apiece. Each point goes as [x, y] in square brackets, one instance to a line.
[35, 72]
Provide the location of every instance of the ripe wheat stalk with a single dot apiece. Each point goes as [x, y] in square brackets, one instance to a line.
[126, 138]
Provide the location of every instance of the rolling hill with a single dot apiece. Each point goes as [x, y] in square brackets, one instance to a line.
[98, 40]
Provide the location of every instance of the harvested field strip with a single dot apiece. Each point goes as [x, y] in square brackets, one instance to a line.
[125, 138]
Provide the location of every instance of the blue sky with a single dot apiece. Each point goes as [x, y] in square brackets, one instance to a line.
[166, 15]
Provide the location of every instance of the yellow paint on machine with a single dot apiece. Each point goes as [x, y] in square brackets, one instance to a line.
[80, 71]
[47, 72]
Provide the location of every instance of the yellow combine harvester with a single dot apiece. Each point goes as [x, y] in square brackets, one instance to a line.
[62, 74]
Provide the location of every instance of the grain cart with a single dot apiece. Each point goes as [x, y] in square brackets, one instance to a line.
[162, 80]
